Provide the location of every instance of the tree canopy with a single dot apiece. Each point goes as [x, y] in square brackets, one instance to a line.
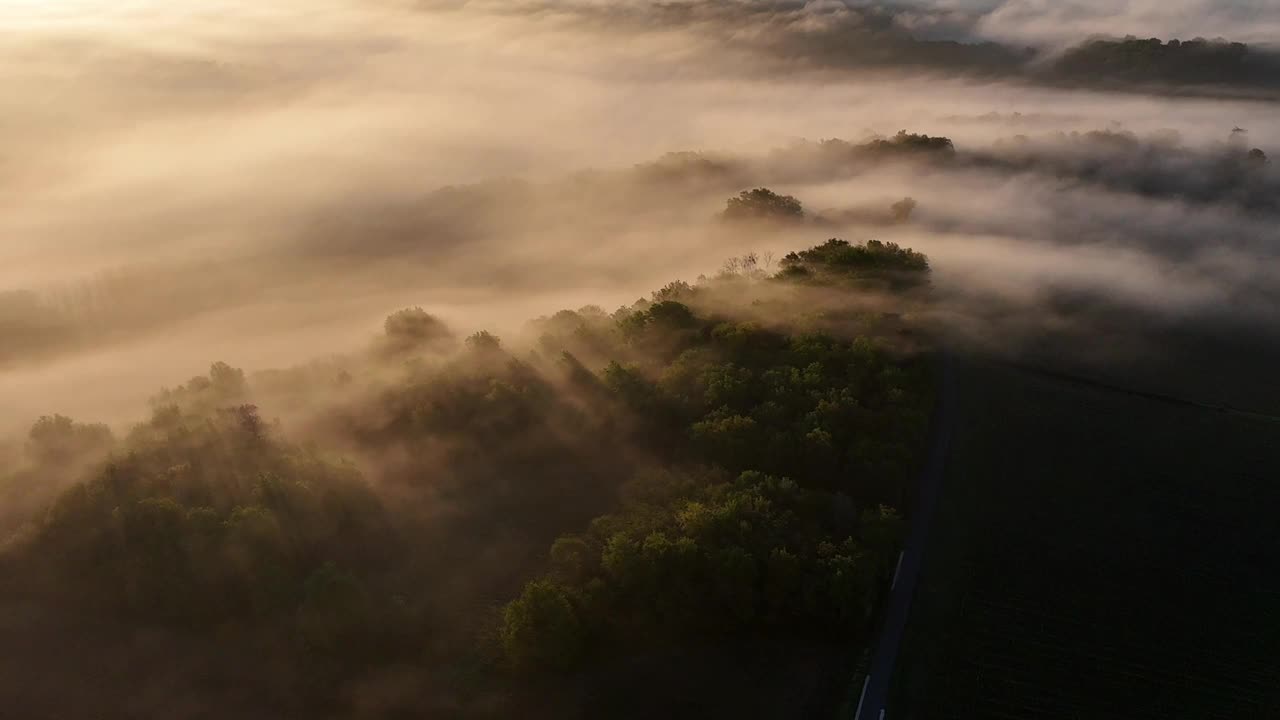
[763, 204]
[722, 461]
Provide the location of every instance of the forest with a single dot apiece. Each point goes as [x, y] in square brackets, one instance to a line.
[722, 465]
[477, 359]
[949, 39]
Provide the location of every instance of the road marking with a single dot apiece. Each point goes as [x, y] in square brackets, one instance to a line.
[896, 570]
[863, 696]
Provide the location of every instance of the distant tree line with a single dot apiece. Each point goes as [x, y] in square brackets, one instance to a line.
[1133, 61]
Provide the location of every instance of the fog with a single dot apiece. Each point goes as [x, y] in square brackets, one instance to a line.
[261, 183]
[1034, 21]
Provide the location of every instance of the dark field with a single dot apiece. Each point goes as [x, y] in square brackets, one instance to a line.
[1098, 554]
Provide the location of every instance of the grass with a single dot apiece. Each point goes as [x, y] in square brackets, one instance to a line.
[1097, 554]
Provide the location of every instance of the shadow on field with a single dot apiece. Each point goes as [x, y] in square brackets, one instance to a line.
[1102, 549]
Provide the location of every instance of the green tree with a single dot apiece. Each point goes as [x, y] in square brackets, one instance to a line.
[763, 204]
[541, 629]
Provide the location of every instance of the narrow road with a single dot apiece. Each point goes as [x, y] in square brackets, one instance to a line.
[875, 695]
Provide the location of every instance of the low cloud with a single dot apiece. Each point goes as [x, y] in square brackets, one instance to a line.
[1062, 22]
[262, 184]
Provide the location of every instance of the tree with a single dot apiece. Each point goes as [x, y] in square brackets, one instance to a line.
[224, 386]
[836, 258]
[570, 559]
[901, 210]
[905, 143]
[335, 613]
[484, 342]
[671, 315]
[414, 329]
[57, 440]
[541, 629]
[763, 204]
[226, 381]
[157, 567]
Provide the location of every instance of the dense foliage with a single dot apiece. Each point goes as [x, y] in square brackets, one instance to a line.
[718, 464]
[209, 518]
[763, 203]
[695, 557]
[781, 527]
[912, 143]
[874, 262]
[1198, 61]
